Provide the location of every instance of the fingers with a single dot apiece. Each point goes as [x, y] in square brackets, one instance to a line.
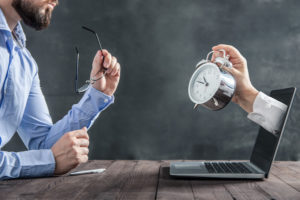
[232, 51]
[111, 64]
[82, 155]
[233, 71]
[116, 71]
[107, 59]
[98, 60]
[82, 133]
[82, 142]
[82, 151]
[83, 159]
[216, 54]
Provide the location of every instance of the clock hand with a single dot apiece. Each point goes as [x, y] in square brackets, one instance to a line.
[206, 83]
[201, 82]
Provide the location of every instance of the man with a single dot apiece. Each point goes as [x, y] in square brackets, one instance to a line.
[53, 148]
[262, 109]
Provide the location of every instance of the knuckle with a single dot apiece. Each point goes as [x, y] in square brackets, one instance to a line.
[73, 142]
[77, 160]
[69, 135]
[74, 150]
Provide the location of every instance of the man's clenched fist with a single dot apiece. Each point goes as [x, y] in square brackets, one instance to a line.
[71, 150]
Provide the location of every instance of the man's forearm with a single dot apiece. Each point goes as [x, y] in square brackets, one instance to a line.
[246, 102]
[81, 115]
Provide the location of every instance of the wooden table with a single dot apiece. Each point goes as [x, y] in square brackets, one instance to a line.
[144, 180]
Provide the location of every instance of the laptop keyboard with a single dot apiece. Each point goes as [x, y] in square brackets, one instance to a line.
[227, 167]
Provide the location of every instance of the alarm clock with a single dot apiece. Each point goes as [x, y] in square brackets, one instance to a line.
[210, 85]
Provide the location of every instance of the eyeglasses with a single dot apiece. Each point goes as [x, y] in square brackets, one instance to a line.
[93, 79]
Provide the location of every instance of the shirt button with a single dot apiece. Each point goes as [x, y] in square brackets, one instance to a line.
[105, 100]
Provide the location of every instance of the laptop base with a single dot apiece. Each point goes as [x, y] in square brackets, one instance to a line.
[203, 170]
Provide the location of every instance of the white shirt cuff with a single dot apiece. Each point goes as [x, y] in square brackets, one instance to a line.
[268, 113]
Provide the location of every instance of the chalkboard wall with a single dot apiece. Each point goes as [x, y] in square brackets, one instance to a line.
[158, 44]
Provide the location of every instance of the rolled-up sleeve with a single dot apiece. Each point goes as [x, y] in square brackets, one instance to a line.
[268, 113]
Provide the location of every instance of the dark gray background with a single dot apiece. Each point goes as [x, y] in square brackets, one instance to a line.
[158, 44]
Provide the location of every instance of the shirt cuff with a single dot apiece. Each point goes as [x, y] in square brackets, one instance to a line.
[36, 163]
[94, 101]
[268, 113]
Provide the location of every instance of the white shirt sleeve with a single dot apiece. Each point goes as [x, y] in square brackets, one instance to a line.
[268, 113]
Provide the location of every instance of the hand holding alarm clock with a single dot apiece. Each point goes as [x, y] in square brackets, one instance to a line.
[228, 79]
[210, 85]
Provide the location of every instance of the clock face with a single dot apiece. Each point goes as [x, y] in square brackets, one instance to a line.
[204, 83]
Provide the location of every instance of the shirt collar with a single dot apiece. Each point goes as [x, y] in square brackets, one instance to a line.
[18, 30]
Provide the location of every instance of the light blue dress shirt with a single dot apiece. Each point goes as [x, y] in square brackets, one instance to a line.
[23, 109]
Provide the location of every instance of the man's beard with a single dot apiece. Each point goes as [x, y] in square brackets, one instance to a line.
[32, 15]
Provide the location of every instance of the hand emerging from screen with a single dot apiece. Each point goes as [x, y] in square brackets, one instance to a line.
[108, 84]
[70, 150]
[245, 93]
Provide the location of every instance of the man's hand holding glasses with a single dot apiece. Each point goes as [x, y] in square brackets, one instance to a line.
[105, 74]
[110, 66]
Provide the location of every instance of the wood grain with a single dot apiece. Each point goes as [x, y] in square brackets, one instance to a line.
[142, 182]
[145, 180]
[172, 188]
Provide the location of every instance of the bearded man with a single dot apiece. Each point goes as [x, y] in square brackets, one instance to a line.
[52, 148]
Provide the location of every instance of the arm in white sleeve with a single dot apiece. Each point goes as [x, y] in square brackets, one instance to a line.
[268, 113]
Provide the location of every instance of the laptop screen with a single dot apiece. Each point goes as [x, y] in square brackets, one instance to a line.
[266, 144]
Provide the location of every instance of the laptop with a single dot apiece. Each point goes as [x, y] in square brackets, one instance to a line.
[263, 153]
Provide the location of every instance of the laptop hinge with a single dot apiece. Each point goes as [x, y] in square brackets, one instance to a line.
[257, 168]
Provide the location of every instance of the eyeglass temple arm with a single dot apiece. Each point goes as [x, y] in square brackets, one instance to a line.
[77, 67]
[101, 49]
[92, 31]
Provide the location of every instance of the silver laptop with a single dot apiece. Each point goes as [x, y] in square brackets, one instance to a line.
[257, 167]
